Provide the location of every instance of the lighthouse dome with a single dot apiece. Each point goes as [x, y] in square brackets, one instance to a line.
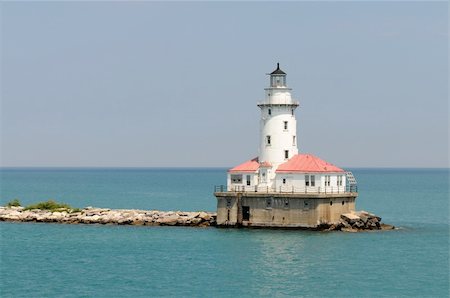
[278, 71]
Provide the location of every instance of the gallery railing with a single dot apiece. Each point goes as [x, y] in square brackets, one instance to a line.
[288, 189]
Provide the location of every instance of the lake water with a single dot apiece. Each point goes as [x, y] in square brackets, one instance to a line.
[55, 260]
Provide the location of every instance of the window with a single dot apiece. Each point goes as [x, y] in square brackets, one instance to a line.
[248, 180]
[293, 141]
[306, 204]
[228, 203]
[339, 180]
[236, 179]
[284, 180]
[268, 140]
[292, 112]
[286, 154]
[269, 111]
[285, 125]
[327, 180]
[310, 180]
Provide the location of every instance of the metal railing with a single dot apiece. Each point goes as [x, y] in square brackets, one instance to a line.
[288, 189]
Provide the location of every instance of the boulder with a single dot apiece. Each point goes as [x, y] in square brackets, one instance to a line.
[124, 221]
[351, 218]
[195, 221]
[345, 224]
[205, 216]
[358, 224]
[182, 221]
[364, 218]
[138, 222]
[192, 215]
[168, 220]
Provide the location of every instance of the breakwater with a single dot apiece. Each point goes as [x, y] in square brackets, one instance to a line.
[349, 222]
[91, 215]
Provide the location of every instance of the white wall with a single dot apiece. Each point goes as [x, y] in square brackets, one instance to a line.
[280, 95]
[296, 182]
[280, 139]
[243, 185]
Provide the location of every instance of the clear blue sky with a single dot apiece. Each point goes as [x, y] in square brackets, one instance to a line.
[176, 84]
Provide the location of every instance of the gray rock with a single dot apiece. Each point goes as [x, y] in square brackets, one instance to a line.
[350, 217]
[205, 216]
[168, 220]
[195, 221]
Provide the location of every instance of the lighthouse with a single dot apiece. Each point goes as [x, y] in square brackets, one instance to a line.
[282, 187]
[278, 126]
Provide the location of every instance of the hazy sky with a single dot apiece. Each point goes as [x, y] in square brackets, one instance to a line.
[176, 84]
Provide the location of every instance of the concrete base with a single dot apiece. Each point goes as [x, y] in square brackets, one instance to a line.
[281, 210]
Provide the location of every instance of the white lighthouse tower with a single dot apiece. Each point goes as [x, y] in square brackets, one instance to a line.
[278, 134]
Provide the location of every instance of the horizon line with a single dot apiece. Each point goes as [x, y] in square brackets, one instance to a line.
[195, 167]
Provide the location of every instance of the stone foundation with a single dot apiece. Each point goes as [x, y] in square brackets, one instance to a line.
[282, 210]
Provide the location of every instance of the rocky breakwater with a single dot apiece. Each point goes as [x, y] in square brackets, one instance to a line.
[359, 221]
[92, 215]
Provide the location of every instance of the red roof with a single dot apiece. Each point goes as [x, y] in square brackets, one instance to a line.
[248, 166]
[307, 163]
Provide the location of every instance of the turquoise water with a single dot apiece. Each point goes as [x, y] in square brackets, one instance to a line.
[53, 260]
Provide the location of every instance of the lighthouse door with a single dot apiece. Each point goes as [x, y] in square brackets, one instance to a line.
[245, 213]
